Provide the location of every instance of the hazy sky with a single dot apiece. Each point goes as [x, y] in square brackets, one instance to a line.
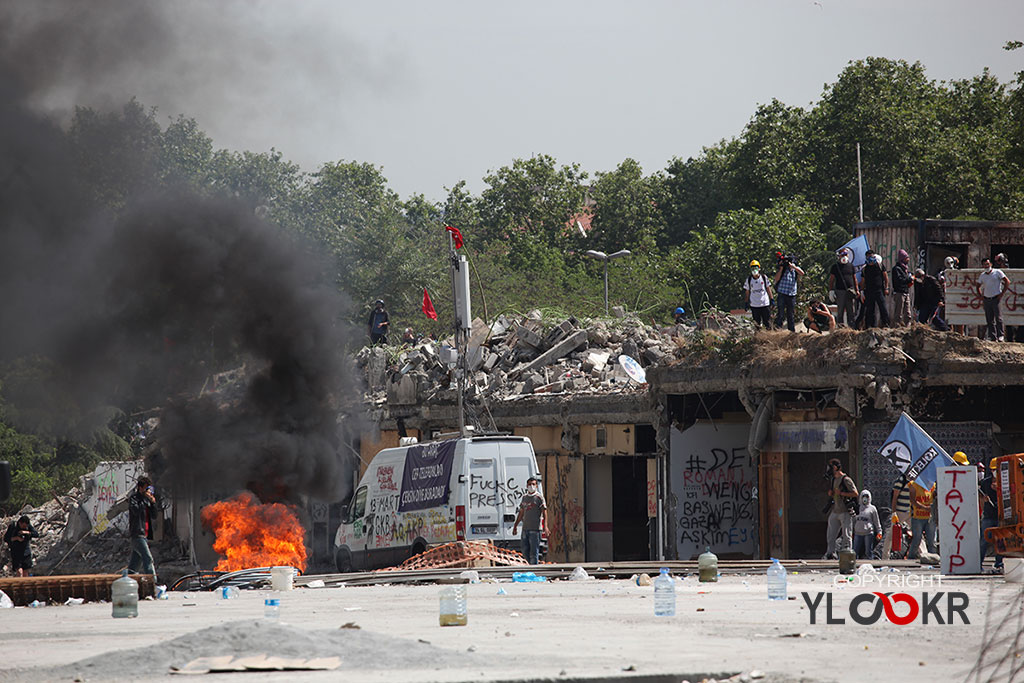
[437, 91]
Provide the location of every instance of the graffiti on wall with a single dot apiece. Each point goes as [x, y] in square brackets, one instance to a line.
[964, 305]
[111, 482]
[714, 486]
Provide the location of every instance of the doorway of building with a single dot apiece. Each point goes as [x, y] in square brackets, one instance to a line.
[807, 495]
[630, 532]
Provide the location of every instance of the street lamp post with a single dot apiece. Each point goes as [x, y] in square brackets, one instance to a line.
[601, 256]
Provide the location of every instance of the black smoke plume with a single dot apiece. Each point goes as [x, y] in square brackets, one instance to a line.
[144, 308]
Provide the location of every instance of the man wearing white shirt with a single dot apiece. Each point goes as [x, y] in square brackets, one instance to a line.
[991, 285]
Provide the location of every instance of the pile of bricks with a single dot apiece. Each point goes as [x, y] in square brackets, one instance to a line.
[463, 554]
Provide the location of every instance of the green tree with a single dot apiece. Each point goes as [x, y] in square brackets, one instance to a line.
[716, 259]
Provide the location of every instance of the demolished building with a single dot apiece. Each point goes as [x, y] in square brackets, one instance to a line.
[724, 446]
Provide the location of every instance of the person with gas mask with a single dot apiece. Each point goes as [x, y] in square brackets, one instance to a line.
[757, 295]
[843, 288]
[876, 288]
[533, 513]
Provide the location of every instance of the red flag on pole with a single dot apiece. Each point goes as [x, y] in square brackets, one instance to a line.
[456, 235]
[428, 306]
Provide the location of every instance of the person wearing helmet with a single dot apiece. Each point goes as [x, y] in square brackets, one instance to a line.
[679, 315]
[843, 287]
[989, 513]
[377, 324]
[961, 458]
[757, 295]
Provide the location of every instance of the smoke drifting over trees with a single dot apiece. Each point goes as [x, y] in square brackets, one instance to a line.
[139, 308]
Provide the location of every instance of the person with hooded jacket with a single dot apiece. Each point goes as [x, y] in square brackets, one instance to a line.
[867, 529]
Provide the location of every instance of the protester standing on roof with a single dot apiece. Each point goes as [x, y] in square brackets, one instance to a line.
[843, 288]
[991, 285]
[901, 281]
[786, 278]
[18, 538]
[757, 293]
[927, 295]
[876, 288]
[377, 324]
[1002, 263]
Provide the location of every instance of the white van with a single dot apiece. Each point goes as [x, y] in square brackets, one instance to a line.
[413, 497]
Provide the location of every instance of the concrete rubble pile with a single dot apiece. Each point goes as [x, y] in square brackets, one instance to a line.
[515, 357]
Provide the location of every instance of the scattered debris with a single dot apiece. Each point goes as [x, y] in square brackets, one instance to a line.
[462, 554]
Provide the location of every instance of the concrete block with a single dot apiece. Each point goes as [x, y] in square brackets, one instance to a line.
[618, 311]
[491, 360]
[564, 347]
[598, 360]
[530, 337]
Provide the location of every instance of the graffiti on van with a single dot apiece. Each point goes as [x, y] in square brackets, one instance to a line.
[402, 528]
[386, 478]
[484, 491]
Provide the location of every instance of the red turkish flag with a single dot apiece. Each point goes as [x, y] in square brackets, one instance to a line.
[428, 306]
[456, 235]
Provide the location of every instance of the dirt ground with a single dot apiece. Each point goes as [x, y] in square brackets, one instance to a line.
[560, 630]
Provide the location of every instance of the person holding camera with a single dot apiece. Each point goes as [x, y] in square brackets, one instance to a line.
[786, 278]
[842, 509]
[141, 508]
[17, 538]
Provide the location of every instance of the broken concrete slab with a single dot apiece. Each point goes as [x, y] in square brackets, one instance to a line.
[564, 347]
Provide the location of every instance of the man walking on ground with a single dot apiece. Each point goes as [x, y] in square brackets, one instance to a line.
[901, 281]
[533, 513]
[785, 286]
[921, 520]
[844, 508]
[758, 295]
[141, 506]
[900, 508]
[991, 285]
[876, 287]
[842, 282]
[989, 515]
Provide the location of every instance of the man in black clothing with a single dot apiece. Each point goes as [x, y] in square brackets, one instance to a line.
[377, 324]
[17, 539]
[842, 281]
[901, 281]
[989, 516]
[876, 287]
[141, 506]
[927, 295]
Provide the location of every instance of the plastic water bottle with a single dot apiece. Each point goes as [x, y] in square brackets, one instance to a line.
[776, 581]
[124, 596]
[228, 592]
[453, 606]
[664, 595]
[272, 608]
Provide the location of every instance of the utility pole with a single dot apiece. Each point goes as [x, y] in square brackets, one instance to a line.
[860, 186]
[461, 304]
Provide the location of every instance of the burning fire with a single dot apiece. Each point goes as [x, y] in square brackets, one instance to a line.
[250, 534]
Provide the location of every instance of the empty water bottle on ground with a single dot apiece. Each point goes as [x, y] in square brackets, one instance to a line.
[776, 581]
[453, 606]
[272, 608]
[664, 595]
[228, 592]
[124, 596]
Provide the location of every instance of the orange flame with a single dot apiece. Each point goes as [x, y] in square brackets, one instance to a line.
[250, 534]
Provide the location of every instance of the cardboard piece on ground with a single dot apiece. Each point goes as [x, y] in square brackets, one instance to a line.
[262, 662]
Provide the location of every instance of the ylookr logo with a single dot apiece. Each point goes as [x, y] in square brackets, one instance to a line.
[867, 608]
